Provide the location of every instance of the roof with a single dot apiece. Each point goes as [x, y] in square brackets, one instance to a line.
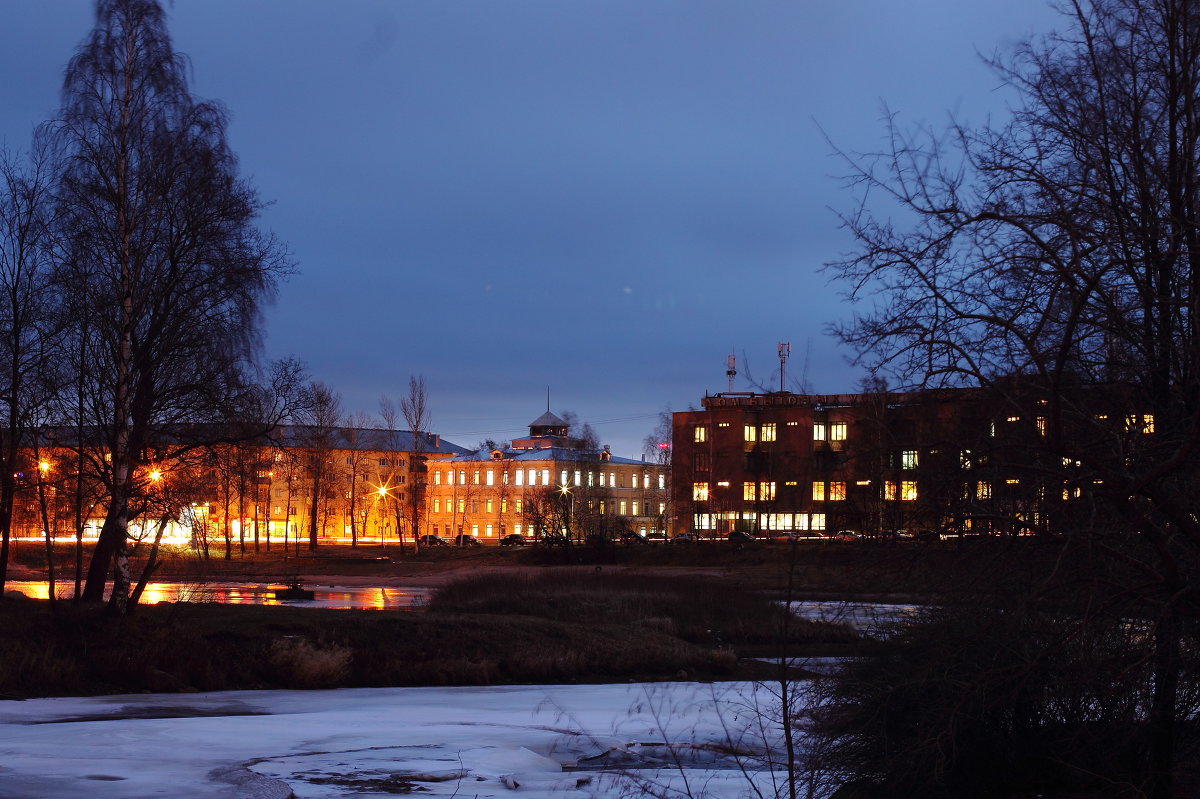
[546, 454]
[548, 419]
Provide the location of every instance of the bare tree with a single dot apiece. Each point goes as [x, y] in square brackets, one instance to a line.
[319, 436]
[163, 245]
[29, 322]
[1055, 260]
[416, 416]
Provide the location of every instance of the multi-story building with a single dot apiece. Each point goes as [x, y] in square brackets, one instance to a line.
[949, 460]
[357, 484]
[547, 483]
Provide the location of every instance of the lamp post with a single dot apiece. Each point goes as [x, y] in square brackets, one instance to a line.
[569, 500]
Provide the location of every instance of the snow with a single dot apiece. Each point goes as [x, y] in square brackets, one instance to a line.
[528, 741]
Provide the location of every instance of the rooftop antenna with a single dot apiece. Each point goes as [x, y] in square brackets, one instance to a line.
[785, 349]
[547, 399]
[731, 370]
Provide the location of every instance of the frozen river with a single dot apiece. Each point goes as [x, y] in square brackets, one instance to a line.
[531, 741]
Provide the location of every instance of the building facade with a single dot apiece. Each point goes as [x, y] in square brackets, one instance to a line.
[547, 484]
[949, 461]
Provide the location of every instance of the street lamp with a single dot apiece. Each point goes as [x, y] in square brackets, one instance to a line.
[565, 492]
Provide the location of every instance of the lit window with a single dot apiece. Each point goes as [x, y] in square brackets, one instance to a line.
[564, 480]
[1012, 418]
[793, 424]
[462, 477]
[488, 531]
[533, 477]
[662, 482]
[517, 529]
[1071, 493]
[612, 479]
[504, 506]
[437, 478]
[768, 432]
[602, 479]
[577, 475]
[700, 434]
[837, 431]
[889, 490]
[545, 477]
[490, 478]
[520, 474]
[437, 506]
[517, 505]
[722, 424]
[699, 492]
[964, 459]
[450, 477]
[624, 508]
[766, 491]
[722, 484]
[634, 507]
[908, 490]
[818, 491]
[591, 479]
[819, 432]
[1143, 423]
[983, 490]
[1041, 425]
[475, 530]
[645, 481]
[462, 506]
[816, 521]
[748, 491]
[908, 459]
[488, 505]
[475, 477]
[1012, 481]
[837, 491]
[750, 432]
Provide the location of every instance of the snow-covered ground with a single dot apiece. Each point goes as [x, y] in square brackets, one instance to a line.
[531, 741]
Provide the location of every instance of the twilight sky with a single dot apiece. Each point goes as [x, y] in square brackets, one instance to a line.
[602, 197]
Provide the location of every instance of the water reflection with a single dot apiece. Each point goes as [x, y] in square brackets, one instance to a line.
[330, 596]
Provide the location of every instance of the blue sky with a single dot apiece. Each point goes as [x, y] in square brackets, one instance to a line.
[605, 198]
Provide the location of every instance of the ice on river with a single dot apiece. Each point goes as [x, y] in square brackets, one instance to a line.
[530, 741]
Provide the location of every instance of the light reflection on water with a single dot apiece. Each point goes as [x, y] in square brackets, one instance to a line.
[331, 596]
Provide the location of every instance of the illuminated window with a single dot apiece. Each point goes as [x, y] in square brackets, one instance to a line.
[490, 478]
[612, 479]
[818, 491]
[819, 431]
[645, 481]
[662, 482]
[768, 432]
[908, 459]
[1012, 418]
[766, 491]
[488, 506]
[462, 506]
[624, 508]
[908, 490]
[722, 484]
[504, 506]
[964, 459]
[437, 478]
[722, 424]
[837, 431]
[591, 479]
[1041, 425]
[837, 491]
[564, 480]
[700, 434]
[1143, 423]
[517, 505]
[462, 477]
[889, 489]
[793, 424]
[1071, 493]
[437, 506]
[700, 492]
[450, 477]
[475, 530]
[816, 521]
[1012, 481]
[577, 476]
[487, 531]
[545, 477]
[748, 491]
[633, 507]
[750, 432]
[983, 490]
[520, 475]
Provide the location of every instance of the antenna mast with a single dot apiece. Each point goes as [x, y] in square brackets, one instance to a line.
[785, 349]
[731, 370]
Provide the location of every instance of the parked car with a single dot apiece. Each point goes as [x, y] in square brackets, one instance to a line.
[513, 540]
[432, 541]
[685, 538]
[783, 537]
[846, 535]
[631, 537]
[740, 537]
[466, 541]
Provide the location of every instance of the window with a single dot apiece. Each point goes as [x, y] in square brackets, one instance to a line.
[462, 506]
[520, 475]
[748, 492]
[624, 508]
[889, 490]
[462, 477]
[837, 491]
[591, 479]
[908, 490]
[722, 424]
[766, 491]
[383, 462]
[701, 461]
[475, 477]
[450, 477]
[819, 432]
[437, 505]
[578, 474]
[837, 431]
[634, 507]
[700, 492]
[437, 478]
[750, 432]
[662, 482]
[818, 491]
[700, 433]
[1012, 418]
[474, 506]
[602, 479]
[1143, 423]
[983, 490]
[488, 505]
[517, 505]
[490, 478]
[565, 480]
[475, 530]
[612, 479]
[646, 481]
[768, 431]
[1041, 425]
[964, 459]
[908, 459]
[503, 505]
[545, 477]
